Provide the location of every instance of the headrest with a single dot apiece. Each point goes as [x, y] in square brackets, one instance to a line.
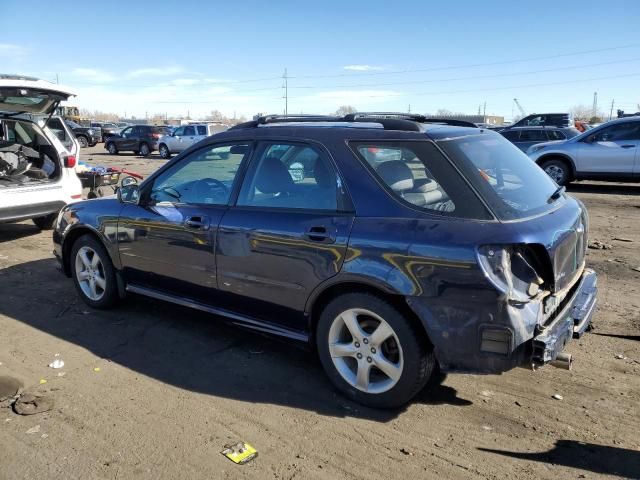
[396, 174]
[273, 177]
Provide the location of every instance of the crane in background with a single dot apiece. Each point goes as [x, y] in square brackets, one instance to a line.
[522, 112]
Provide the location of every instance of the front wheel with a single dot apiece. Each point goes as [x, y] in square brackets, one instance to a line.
[558, 170]
[371, 352]
[164, 151]
[144, 150]
[93, 273]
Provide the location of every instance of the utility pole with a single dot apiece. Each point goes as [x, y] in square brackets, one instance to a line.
[285, 86]
[409, 109]
[594, 111]
[484, 111]
[611, 111]
[57, 79]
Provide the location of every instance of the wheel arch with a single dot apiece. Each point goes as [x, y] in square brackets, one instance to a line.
[327, 292]
[73, 235]
[558, 156]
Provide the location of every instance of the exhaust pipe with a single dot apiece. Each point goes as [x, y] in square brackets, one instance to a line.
[563, 360]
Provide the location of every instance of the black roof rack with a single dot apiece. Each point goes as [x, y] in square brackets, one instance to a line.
[388, 120]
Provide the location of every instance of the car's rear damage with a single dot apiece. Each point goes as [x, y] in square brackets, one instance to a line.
[525, 315]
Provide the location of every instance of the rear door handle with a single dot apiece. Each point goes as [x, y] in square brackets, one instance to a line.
[627, 146]
[320, 234]
[197, 222]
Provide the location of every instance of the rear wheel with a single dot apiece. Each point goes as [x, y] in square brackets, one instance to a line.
[83, 141]
[112, 149]
[144, 150]
[47, 222]
[93, 273]
[558, 170]
[164, 151]
[371, 352]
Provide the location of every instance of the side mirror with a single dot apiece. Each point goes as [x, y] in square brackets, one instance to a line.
[126, 181]
[129, 193]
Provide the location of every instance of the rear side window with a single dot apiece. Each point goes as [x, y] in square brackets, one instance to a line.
[292, 175]
[202, 130]
[417, 173]
[511, 135]
[556, 135]
[533, 136]
[190, 130]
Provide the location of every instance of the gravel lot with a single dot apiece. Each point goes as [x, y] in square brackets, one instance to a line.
[152, 390]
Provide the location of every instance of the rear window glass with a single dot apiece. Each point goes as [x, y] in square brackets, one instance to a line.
[419, 175]
[513, 185]
[533, 136]
[556, 135]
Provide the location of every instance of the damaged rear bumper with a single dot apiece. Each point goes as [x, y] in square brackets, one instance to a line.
[489, 335]
[572, 321]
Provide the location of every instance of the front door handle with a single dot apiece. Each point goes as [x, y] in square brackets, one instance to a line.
[627, 146]
[320, 234]
[197, 222]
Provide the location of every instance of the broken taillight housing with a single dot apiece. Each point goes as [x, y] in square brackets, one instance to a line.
[510, 268]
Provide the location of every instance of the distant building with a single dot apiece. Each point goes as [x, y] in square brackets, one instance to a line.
[487, 119]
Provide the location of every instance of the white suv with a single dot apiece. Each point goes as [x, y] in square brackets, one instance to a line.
[38, 153]
[185, 136]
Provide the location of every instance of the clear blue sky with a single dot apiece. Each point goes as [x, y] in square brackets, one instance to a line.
[156, 57]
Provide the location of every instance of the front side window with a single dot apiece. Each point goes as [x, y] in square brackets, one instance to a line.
[619, 132]
[206, 176]
[556, 135]
[513, 185]
[292, 175]
[178, 132]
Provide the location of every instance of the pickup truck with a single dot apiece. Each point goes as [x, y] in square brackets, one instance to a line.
[87, 136]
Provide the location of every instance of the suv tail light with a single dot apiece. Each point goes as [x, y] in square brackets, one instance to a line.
[69, 161]
[155, 135]
[511, 270]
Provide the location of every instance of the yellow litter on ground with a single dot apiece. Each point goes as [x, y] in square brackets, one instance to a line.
[240, 453]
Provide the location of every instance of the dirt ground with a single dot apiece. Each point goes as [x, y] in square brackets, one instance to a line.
[152, 390]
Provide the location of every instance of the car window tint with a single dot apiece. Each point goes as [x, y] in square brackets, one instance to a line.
[205, 176]
[556, 135]
[406, 171]
[190, 130]
[533, 136]
[291, 176]
[511, 135]
[619, 132]
[202, 130]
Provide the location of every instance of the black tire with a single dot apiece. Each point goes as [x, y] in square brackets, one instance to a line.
[559, 170]
[144, 150]
[112, 149]
[47, 222]
[110, 294]
[164, 151]
[417, 354]
[83, 141]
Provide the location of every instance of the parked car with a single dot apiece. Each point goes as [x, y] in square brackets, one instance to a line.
[87, 136]
[443, 256]
[607, 152]
[142, 139]
[545, 119]
[181, 138]
[37, 176]
[524, 137]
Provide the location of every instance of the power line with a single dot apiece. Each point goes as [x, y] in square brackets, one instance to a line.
[472, 65]
[476, 77]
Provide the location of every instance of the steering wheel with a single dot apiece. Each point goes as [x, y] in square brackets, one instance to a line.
[209, 186]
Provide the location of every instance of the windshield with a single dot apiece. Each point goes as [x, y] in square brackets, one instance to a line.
[512, 184]
[72, 124]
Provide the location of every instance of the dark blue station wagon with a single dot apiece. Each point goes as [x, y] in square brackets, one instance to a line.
[394, 246]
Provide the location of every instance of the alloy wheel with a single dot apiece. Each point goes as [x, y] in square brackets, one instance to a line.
[90, 273]
[556, 173]
[365, 350]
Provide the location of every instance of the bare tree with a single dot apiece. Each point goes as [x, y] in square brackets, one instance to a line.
[98, 115]
[345, 110]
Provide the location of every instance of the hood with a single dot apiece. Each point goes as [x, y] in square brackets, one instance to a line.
[30, 95]
[541, 145]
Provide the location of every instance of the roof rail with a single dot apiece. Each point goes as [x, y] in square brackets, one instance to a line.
[389, 120]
